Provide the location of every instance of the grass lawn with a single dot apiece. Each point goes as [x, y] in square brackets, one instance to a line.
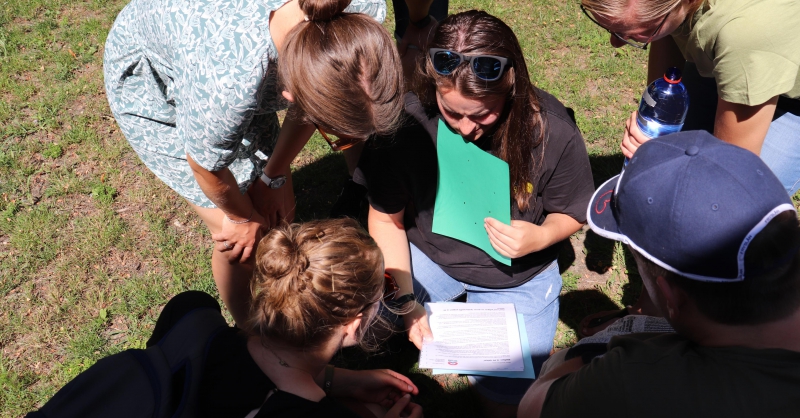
[92, 245]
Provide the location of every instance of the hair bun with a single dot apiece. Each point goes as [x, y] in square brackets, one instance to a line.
[316, 10]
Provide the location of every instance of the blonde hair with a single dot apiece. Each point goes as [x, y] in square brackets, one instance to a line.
[312, 278]
[343, 70]
[646, 10]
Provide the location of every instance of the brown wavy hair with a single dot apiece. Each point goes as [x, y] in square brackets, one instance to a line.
[343, 70]
[522, 126]
[312, 278]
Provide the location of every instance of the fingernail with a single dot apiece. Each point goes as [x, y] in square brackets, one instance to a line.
[409, 389]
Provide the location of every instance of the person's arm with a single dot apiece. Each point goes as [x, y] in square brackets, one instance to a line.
[418, 9]
[419, 31]
[664, 53]
[742, 125]
[389, 233]
[222, 189]
[737, 124]
[532, 403]
[276, 205]
[383, 386]
[522, 238]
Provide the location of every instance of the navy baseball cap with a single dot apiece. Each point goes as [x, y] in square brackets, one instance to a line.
[691, 204]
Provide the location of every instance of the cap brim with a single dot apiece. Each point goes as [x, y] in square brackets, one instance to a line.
[600, 213]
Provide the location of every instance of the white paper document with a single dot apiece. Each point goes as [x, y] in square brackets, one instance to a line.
[472, 336]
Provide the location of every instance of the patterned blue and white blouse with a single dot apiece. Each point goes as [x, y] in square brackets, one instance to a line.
[199, 77]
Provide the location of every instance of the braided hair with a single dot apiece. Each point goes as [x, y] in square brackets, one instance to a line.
[312, 278]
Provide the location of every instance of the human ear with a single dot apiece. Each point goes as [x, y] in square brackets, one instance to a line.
[288, 96]
[350, 330]
[672, 299]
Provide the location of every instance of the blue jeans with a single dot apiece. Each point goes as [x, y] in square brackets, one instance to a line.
[781, 150]
[536, 299]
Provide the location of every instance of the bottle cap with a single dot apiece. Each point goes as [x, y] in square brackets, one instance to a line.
[673, 75]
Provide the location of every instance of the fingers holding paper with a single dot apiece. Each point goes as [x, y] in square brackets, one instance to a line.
[417, 325]
[518, 239]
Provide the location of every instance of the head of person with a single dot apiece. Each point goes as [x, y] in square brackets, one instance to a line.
[316, 282]
[342, 72]
[639, 22]
[713, 231]
[474, 74]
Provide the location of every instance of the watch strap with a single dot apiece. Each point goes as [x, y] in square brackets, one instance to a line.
[268, 181]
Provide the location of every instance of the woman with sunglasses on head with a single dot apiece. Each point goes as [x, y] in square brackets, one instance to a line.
[741, 66]
[741, 61]
[316, 289]
[475, 79]
[195, 86]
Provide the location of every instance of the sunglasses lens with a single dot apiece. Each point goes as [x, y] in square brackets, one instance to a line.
[445, 62]
[487, 68]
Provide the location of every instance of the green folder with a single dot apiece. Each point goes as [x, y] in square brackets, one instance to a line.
[473, 185]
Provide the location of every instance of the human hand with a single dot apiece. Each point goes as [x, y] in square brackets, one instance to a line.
[404, 408]
[417, 325]
[237, 241]
[383, 387]
[633, 137]
[413, 44]
[518, 239]
[274, 205]
[416, 38]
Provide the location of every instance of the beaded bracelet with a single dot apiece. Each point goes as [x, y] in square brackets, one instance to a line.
[241, 222]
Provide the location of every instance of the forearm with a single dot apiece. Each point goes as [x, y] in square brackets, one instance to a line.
[558, 227]
[664, 53]
[418, 9]
[742, 125]
[533, 401]
[390, 235]
[293, 137]
[222, 189]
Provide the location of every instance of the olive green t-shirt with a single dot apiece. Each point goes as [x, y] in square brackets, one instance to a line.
[666, 375]
[750, 47]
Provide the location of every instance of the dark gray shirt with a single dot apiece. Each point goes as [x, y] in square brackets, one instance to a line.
[401, 173]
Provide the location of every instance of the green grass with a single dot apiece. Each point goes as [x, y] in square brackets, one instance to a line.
[92, 245]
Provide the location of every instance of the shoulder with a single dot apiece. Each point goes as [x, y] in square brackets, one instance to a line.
[747, 26]
[418, 116]
[559, 119]
[561, 130]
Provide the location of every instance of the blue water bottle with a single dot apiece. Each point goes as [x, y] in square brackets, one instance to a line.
[663, 107]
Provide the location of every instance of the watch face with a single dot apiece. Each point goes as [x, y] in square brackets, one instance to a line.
[277, 182]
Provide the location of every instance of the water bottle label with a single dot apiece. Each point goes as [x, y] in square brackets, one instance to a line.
[648, 99]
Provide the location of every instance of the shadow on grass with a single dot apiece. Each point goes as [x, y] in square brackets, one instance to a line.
[445, 396]
[317, 185]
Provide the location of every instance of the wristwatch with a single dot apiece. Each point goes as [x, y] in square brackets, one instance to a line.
[275, 183]
[400, 302]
